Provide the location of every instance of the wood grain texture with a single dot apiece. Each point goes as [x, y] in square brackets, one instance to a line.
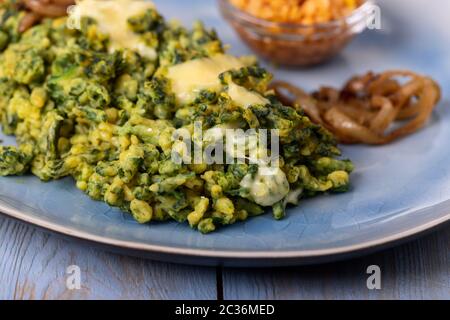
[33, 266]
[418, 270]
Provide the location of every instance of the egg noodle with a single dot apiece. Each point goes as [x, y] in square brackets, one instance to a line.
[103, 104]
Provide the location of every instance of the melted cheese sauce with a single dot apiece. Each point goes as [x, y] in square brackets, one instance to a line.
[245, 98]
[191, 77]
[112, 16]
[292, 197]
[269, 186]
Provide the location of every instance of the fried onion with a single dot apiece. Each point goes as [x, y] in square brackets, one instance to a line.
[40, 9]
[365, 110]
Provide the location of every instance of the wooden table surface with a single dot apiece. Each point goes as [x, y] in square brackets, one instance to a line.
[33, 265]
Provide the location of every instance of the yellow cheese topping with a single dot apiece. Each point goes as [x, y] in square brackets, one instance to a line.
[191, 77]
[267, 187]
[112, 17]
[245, 98]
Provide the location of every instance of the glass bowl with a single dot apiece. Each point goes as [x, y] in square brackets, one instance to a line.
[293, 44]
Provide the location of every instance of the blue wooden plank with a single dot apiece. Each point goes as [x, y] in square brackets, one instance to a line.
[418, 270]
[33, 265]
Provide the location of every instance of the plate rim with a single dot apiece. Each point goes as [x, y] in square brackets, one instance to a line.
[224, 254]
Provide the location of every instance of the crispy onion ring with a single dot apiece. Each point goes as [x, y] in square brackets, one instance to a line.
[40, 9]
[367, 107]
[30, 19]
[46, 8]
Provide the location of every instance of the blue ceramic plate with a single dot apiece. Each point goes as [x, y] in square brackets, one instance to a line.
[398, 190]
